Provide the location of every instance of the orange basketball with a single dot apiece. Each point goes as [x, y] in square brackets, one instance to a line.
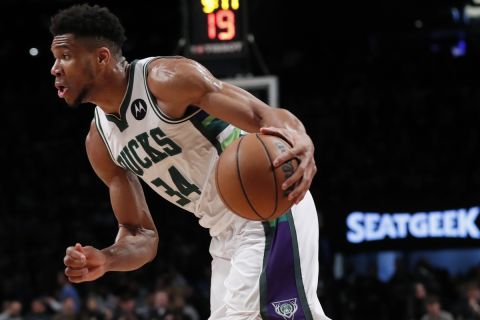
[247, 181]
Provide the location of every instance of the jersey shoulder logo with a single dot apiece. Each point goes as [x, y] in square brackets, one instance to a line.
[139, 109]
[286, 308]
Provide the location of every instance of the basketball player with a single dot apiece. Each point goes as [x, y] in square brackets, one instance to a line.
[166, 120]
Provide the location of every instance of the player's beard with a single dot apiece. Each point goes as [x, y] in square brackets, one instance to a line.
[79, 99]
[83, 94]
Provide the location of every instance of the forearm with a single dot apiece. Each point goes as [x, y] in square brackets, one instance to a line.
[133, 248]
[137, 239]
[245, 111]
[282, 118]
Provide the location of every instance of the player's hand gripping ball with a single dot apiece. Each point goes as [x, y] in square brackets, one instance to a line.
[247, 181]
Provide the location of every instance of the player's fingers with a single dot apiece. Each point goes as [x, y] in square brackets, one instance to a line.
[284, 157]
[74, 253]
[90, 275]
[69, 261]
[74, 262]
[298, 189]
[94, 273]
[271, 130]
[79, 248]
[277, 132]
[76, 279]
[300, 197]
[293, 180]
[303, 184]
[298, 192]
[71, 272]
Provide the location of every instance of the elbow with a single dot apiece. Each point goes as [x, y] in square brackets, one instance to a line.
[146, 244]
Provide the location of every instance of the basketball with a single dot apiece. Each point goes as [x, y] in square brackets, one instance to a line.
[248, 183]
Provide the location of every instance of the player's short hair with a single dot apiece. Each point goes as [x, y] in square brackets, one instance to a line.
[90, 21]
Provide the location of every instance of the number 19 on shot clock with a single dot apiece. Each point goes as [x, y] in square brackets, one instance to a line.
[215, 28]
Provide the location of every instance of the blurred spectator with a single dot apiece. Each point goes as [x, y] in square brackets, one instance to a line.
[180, 306]
[416, 302]
[67, 312]
[468, 307]
[160, 305]
[13, 311]
[427, 274]
[92, 310]
[126, 309]
[434, 310]
[67, 290]
[38, 310]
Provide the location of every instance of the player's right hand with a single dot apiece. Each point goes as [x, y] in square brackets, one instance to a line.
[302, 149]
[84, 263]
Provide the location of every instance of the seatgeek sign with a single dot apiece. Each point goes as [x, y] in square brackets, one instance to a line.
[365, 227]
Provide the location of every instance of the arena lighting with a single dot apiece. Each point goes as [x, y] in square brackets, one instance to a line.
[471, 12]
[33, 52]
[374, 226]
[455, 14]
[459, 49]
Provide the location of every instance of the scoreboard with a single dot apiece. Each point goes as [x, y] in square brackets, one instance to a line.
[215, 28]
[215, 34]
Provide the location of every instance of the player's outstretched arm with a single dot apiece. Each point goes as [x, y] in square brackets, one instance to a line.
[137, 239]
[183, 82]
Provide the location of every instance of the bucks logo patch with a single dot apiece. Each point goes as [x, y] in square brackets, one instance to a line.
[286, 308]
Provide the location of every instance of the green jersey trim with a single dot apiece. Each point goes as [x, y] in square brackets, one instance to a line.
[210, 127]
[121, 120]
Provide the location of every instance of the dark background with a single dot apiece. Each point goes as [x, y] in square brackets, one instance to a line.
[393, 115]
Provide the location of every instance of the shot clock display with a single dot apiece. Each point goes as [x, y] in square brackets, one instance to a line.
[215, 28]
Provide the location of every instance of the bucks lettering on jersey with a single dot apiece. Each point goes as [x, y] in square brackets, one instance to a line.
[175, 157]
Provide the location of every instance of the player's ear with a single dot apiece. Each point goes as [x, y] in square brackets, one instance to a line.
[103, 55]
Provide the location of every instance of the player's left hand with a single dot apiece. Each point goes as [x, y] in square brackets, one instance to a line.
[302, 149]
[84, 263]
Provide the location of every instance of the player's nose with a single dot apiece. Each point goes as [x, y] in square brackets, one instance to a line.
[55, 70]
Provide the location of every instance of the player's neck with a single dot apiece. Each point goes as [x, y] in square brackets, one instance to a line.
[111, 88]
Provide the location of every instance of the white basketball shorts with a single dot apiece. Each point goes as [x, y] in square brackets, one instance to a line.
[268, 270]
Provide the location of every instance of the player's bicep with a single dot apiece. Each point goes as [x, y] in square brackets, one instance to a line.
[220, 99]
[179, 83]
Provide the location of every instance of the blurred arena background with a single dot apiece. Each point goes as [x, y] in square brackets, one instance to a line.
[389, 92]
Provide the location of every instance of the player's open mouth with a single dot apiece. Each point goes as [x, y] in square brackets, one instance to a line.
[61, 90]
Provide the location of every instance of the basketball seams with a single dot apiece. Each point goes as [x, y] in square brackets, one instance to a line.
[239, 176]
[273, 173]
[243, 177]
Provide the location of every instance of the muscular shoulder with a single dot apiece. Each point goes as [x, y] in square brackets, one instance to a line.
[180, 80]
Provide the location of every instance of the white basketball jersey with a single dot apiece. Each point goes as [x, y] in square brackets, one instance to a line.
[175, 157]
